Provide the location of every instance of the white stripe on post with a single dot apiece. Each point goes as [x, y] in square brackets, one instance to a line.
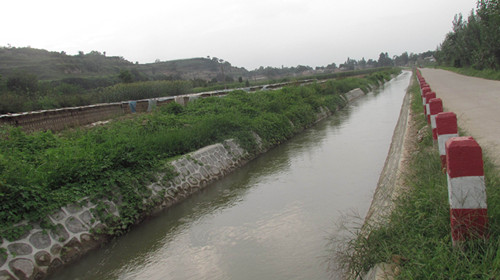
[425, 90]
[466, 189]
[446, 128]
[435, 107]
[428, 97]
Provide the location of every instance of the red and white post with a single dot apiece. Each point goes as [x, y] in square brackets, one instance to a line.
[425, 90]
[446, 128]
[428, 96]
[435, 107]
[466, 189]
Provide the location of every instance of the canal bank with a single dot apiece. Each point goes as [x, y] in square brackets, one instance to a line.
[195, 171]
[391, 183]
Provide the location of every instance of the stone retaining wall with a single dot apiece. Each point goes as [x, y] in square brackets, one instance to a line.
[42, 251]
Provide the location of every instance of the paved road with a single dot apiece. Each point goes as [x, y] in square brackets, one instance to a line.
[476, 102]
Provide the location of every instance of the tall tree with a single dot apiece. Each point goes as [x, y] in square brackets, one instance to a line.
[474, 42]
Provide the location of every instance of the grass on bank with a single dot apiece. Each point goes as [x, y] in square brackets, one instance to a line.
[42, 171]
[417, 236]
[489, 74]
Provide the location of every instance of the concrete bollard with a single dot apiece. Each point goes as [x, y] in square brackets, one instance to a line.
[424, 91]
[422, 86]
[427, 97]
[446, 128]
[466, 189]
[435, 107]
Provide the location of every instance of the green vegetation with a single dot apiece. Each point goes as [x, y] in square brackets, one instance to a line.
[485, 73]
[417, 236]
[474, 42]
[33, 79]
[29, 95]
[23, 92]
[41, 172]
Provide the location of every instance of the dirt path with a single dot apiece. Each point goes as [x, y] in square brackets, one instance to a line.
[476, 102]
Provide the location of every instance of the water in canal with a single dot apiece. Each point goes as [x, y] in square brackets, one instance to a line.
[271, 219]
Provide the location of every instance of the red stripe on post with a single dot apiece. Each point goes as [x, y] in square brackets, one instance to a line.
[466, 189]
[468, 223]
[428, 97]
[446, 127]
[435, 107]
[425, 90]
[446, 123]
[464, 157]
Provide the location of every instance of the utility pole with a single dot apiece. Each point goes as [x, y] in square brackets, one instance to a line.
[222, 70]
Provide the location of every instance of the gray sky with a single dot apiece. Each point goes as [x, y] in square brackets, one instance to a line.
[247, 33]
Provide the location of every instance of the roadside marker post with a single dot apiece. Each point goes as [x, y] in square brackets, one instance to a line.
[446, 128]
[466, 190]
[428, 96]
[424, 91]
[435, 107]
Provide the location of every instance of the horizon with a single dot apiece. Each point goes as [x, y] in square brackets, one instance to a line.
[272, 33]
[198, 57]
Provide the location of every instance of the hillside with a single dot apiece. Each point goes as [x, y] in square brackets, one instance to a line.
[194, 68]
[52, 66]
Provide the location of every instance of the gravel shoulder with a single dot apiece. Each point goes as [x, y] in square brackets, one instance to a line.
[476, 102]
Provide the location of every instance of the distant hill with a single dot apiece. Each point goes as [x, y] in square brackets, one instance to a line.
[53, 66]
[194, 68]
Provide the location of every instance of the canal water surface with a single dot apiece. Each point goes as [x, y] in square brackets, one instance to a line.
[271, 219]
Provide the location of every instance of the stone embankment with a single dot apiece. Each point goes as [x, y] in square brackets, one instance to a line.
[42, 251]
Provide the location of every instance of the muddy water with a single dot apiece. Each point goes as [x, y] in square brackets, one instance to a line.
[272, 218]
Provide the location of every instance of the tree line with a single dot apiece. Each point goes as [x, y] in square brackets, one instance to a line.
[475, 41]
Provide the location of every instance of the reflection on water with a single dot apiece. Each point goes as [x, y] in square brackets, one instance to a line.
[270, 219]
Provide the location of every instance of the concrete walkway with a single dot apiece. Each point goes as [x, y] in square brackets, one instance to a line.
[476, 102]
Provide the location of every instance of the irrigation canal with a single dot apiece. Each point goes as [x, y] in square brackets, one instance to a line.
[271, 219]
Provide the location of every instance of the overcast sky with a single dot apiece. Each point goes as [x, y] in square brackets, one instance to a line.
[248, 33]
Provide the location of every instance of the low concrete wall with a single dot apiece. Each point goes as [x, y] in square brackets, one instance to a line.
[354, 94]
[59, 119]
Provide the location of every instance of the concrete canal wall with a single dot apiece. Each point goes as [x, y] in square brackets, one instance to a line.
[60, 119]
[42, 251]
